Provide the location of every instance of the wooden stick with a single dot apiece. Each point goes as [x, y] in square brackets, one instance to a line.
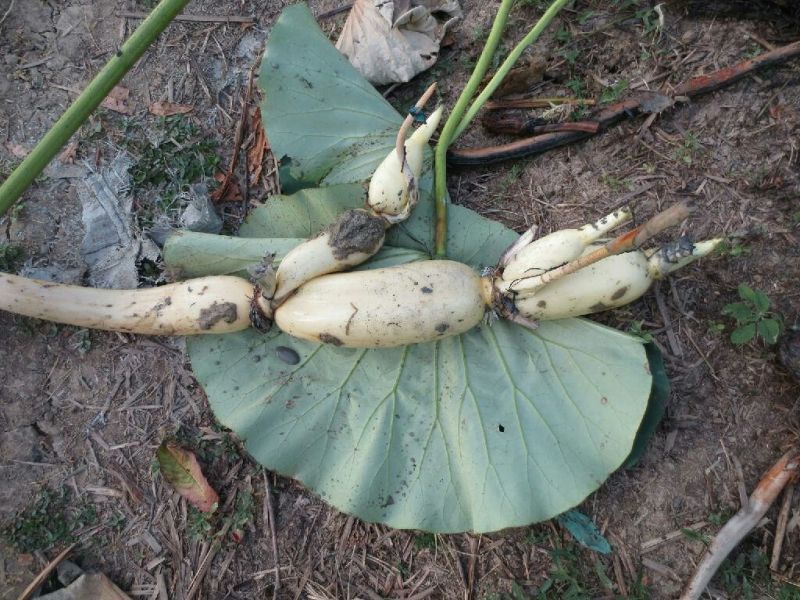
[780, 528]
[44, 574]
[192, 18]
[767, 490]
[535, 102]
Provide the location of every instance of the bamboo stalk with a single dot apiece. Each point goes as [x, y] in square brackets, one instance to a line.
[92, 96]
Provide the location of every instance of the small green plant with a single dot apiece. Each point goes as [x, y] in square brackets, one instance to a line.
[753, 317]
[566, 577]
[424, 540]
[52, 518]
[733, 248]
[649, 18]
[563, 35]
[696, 536]
[636, 329]
[614, 92]
[686, 151]
[199, 525]
[570, 55]
[614, 183]
[748, 569]
[576, 85]
[11, 256]
[177, 156]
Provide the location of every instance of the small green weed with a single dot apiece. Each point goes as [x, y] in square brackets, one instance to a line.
[733, 248]
[685, 153]
[636, 329]
[52, 518]
[177, 156]
[753, 317]
[615, 184]
[576, 85]
[649, 18]
[695, 536]
[715, 328]
[614, 92]
[571, 55]
[584, 16]
[719, 518]
[11, 256]
[199, 525]
[744, 571]
[424, 540]
[563, 35]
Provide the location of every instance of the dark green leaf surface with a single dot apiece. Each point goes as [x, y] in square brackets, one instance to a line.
[585, 531]
[324, 121]
[769, 330]
[742, 335]
[656, 406]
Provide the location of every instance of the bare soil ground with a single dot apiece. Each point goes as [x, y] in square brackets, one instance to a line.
[81, 413]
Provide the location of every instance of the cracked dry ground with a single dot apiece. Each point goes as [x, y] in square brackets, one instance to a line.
[82, 412]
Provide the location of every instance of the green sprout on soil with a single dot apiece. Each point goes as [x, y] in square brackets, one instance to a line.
[688, 148]
[424, 540]
[635, 328]
[11, 256]
[614, 92]
[733, 248]
[753, 317]
[52, 518]
[180, 156]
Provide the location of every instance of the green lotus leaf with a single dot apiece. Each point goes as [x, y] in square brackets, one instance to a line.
[498, 427]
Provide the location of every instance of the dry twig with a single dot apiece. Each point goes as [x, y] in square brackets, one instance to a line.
[734, 531]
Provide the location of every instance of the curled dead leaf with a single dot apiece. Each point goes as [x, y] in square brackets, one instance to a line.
[67, 155]
[391, 42]
[228, 190]
[167, 109]
[255, 154]
[181, 470]
[117, 100]
[17, 150]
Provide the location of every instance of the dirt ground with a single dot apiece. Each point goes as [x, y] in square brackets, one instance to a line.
[82, 413]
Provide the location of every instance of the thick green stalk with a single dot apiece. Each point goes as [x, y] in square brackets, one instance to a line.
[92, 96]
[449, 129]
[508, 64]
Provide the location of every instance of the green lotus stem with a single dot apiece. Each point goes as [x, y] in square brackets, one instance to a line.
[508, 64]
[92, 96]
[448, 131]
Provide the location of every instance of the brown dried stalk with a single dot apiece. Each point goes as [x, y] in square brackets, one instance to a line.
[734, 531]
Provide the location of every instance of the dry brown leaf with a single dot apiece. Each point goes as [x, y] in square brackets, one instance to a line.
[229, 192]
[181, 470]
[255, 154]
[67, 155]
[117, 100]
[17, 150]
[387, 47]
[95, 586]
[167, 109]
